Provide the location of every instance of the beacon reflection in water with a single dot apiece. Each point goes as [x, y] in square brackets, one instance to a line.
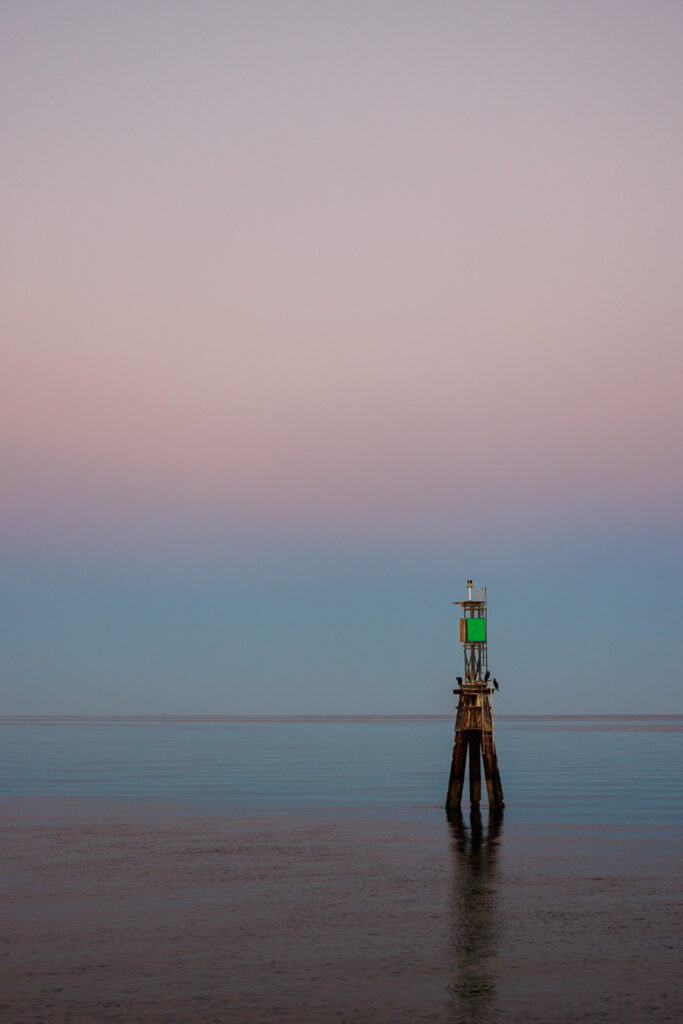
[474, 915]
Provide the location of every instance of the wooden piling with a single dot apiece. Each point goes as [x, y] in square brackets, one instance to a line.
[494, 786]
[457, 776]
[475, 767]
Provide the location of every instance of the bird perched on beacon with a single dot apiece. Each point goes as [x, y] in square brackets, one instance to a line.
[495, 684]
[487, 676]
[458, 680]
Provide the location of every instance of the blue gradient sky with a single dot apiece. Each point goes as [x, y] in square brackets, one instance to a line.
[310, 312]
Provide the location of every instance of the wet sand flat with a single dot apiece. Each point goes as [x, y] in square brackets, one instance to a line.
[123, 915]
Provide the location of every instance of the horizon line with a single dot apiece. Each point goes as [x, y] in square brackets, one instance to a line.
[312, 718]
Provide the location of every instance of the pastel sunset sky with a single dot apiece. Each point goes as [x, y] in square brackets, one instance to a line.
[310, 311]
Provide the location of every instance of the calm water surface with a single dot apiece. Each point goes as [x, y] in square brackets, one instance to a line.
[176, 871]
[609, 771]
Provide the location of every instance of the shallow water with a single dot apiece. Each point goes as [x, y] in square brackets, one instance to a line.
[306, 871]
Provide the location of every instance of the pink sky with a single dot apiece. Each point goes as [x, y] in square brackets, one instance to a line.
[347, 263]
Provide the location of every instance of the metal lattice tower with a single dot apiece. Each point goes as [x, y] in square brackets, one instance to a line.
[474, 717]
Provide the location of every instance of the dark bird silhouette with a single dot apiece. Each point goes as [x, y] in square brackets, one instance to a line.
[487, 676]
[458, 680]
[495, 684]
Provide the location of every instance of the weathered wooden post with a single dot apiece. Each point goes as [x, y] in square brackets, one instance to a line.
[474, 717]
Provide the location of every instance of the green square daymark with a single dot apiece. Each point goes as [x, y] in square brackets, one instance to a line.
[476, 631]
